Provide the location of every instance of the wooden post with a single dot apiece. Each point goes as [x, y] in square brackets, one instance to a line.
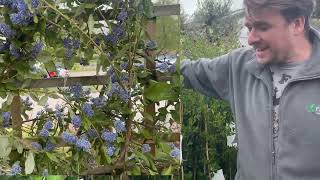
[151, 66]
[16, 115]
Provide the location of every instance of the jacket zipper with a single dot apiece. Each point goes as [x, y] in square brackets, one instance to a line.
[317, 76]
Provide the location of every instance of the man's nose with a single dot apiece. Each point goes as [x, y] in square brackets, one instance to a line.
[253, 37]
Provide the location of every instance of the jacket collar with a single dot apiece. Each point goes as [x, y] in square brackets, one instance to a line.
[310, 68]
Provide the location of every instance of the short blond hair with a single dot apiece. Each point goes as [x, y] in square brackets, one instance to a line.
[289, 9]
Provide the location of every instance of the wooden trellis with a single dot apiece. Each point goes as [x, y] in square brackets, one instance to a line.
[162, 10]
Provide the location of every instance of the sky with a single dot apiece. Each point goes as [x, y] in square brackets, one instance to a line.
[189, 6]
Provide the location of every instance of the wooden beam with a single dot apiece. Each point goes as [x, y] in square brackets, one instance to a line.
[70, 81]
[167, 10]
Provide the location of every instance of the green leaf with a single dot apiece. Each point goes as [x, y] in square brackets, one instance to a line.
[50, 66]
[29, 164]
[43, 100]
[167, 171]
[136, 171]
[44, 56]
[18, 146]
[143, 157]
[159, 91]
[5, 147]
[91, 24]
[52, 157]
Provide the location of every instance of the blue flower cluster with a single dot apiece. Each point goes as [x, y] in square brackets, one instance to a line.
[6, 31]
[111, 150]
[76, 121]
[69, 138]
[70, 46]
[59, 112]
[119, 126]
[44, 133]
[175, 153]
[116, 88]
[21, 16]
[145, 148]
[49, 146]
[76, 91]
[6, 116]
[35, 3]
[37, 48]
[36, 145]
[48, 125]
[124, 66]
[15, 169]
[98, 102]
[92, 133]
[166, 67]
[116, 34]
[122, 15]
[14, 51]
[108, 136]
[4, 46]
[83, 144]
[87, 109]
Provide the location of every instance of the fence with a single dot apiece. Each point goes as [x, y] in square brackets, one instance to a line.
[17, 121]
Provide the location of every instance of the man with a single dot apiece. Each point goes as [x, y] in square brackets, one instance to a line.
[273, 88]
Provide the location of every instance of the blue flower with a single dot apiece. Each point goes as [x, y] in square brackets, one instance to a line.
[49, 146]
[119, 126]
[163, 67]
[48, 125]
[108, 136]
[67, 43]
[15, 169]
[98, 102]
[6, 116]
[19, 5]
[83, 144]
[110, 151]
[21, 18]
[112, 38]
[69, 138]
[76, 44]
[122, 15]
[87, 109]
[145, 148]
[35, 3]
[14, 51]
[92, 133]
[37, 48]
[124, 66]
[4, 46]
[76, 121]
[175, 153]
[76, 91]
[44, 133]
[68, 54]
[36, 145]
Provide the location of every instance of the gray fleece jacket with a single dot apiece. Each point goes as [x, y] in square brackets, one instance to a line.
[247, 86]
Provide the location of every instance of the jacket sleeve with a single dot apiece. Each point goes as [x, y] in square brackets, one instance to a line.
[210, 77]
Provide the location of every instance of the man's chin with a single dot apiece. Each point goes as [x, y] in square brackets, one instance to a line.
[263, 60]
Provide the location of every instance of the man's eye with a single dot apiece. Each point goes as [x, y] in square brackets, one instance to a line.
[263, 28]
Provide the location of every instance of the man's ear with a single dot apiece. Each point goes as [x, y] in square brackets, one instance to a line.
[298, 25]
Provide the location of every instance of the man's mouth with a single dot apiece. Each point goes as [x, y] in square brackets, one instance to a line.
[261, 49]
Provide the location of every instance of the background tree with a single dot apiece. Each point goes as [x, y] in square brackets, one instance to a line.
[211, 32]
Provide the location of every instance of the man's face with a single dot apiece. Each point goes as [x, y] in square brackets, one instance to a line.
[269, 34]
